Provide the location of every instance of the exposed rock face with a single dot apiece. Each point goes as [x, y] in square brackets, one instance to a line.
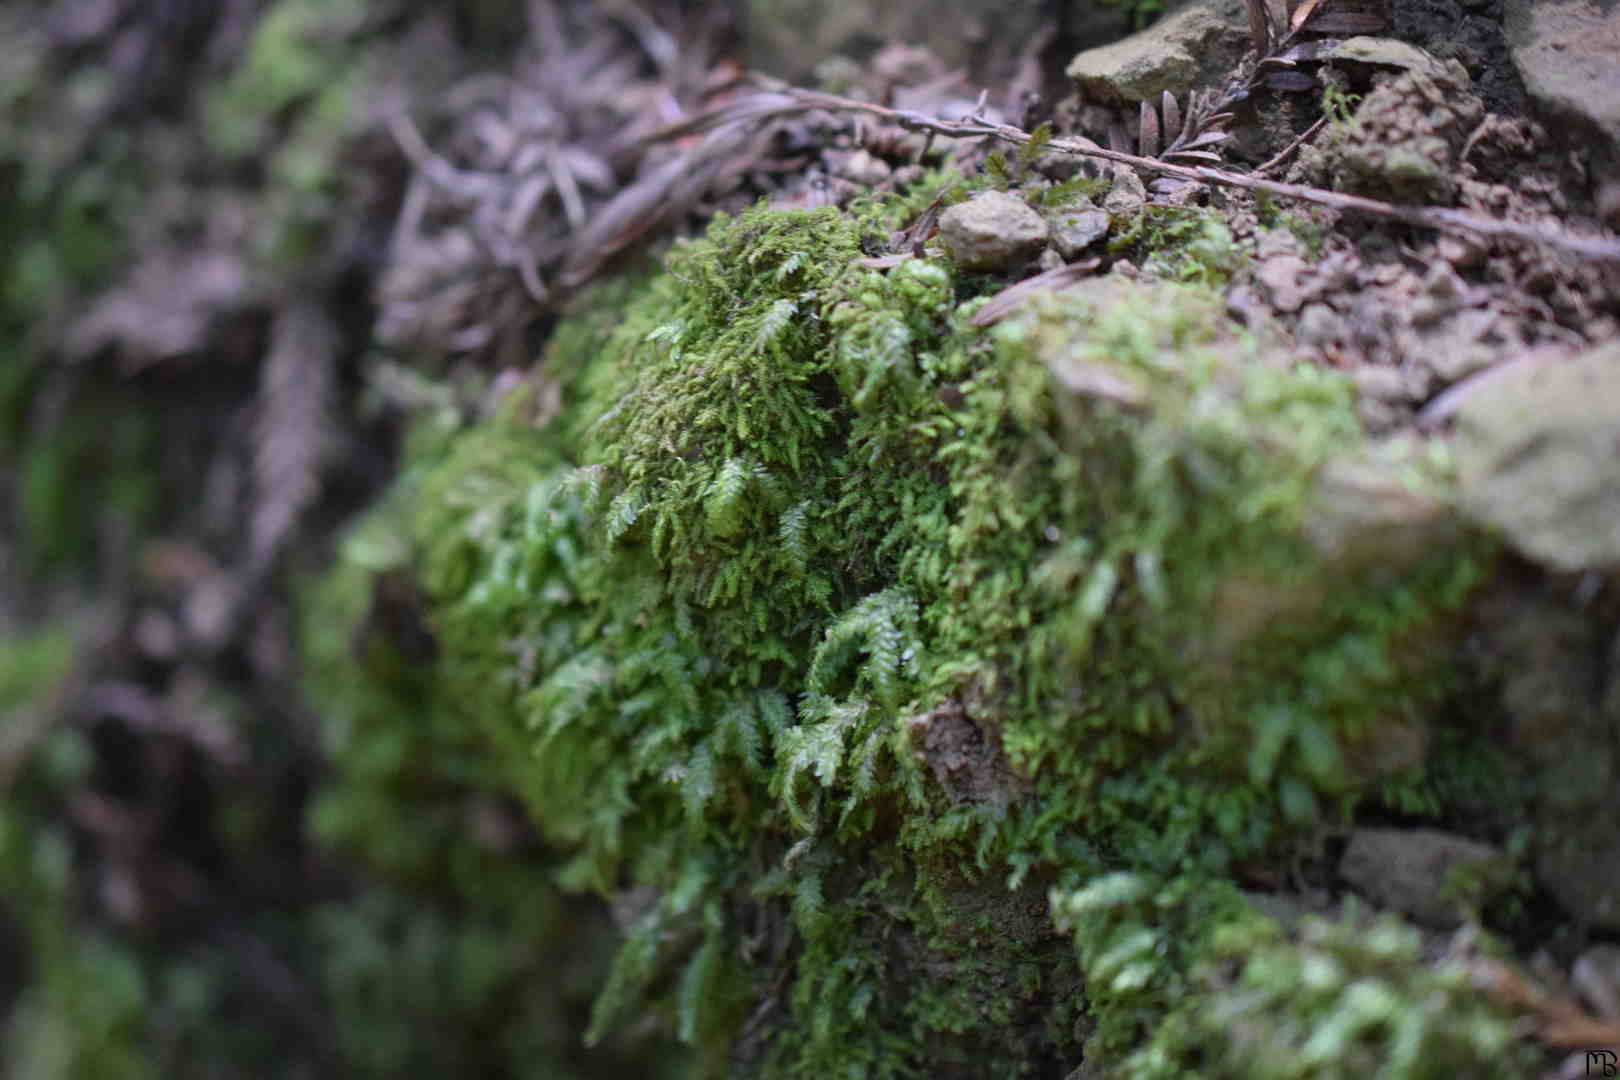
[1536, 452]
[1568, 54]
[992, 231]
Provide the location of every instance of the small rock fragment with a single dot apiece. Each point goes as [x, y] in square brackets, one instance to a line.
[992, 231]
[861, 167]
[1381, 383]
[1463, 252]
[1407, 136]
[1320, 325]
[1128, 195]
[1283, 279]
[1075, 229]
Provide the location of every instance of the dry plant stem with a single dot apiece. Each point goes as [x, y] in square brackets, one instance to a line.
[1013, 297]
[1602, 248]
[439, 172]
[1283, 154]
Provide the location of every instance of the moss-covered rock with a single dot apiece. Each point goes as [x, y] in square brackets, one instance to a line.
[837, 640]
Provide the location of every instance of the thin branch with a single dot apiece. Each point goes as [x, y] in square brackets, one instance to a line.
[1011, 298]
[1282, 155]
[1444, 219]
[440, 173]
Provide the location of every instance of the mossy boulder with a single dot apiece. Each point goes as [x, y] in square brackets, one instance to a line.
[838, 642]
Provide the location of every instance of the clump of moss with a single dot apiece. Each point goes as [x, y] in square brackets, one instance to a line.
[1338, 999]
[458, 952]
[836, 630]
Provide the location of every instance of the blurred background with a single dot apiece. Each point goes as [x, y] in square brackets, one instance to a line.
[223, 288]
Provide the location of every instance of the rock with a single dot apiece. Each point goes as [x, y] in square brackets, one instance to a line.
[1568, 54]
[1463, 252]
[860, 167]
[1376, 381]
[1536, 449]
[1366, 514]
[1077, 228]
[1415, 871]
[1282, 277]
[1467, 342]
[1127, 196]
[1393, 53]
[1199, 44]
[1581, 867]
[1407, 137]
[1049, 260]
[992, 231]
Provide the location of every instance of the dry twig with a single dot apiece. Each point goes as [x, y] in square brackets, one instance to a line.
[1444, 219]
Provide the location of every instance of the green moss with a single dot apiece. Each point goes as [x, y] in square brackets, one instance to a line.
[94, 465]
[83, 1017]
[1339, 999]
[460, 955]
[83, 1010]
[1178, 244]
[31, 667]
[816, 614]
[298, 49]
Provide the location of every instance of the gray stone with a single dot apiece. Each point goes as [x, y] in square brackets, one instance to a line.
[1077, 228]
[1538, 456]
[1390, 52]
[1414, 870]
[992, 231]
[1284, 278]
[1568, 54]
[1320, 326]
[1199, 44]
[861, 167]
[1407, 136]
[1127, 196]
